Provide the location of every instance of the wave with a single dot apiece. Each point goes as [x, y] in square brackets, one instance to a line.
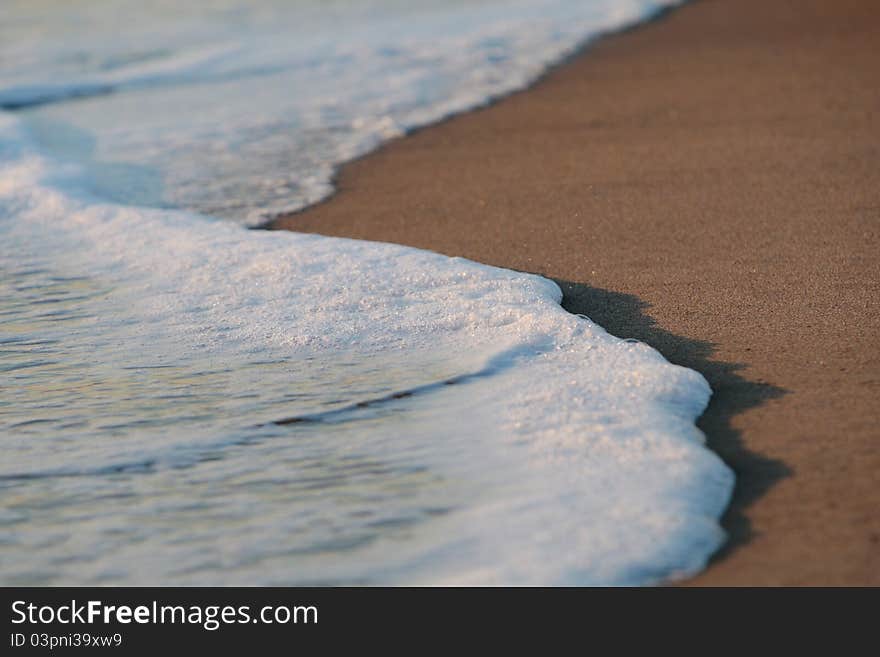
[177, 344]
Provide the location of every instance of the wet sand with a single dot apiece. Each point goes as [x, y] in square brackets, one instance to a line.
[708, 183]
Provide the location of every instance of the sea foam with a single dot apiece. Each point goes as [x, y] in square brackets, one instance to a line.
[185, 401]
[243, 110]
[559, 453]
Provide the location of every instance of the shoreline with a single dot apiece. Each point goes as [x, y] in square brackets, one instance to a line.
[709, 183]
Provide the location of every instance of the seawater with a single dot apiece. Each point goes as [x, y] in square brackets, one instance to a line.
[185, 401]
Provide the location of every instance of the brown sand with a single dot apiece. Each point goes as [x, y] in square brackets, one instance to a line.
[708, 183]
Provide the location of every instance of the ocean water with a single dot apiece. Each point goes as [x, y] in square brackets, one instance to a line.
[186, 401]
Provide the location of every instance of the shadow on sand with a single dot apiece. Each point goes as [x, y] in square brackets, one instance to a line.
[625, 315]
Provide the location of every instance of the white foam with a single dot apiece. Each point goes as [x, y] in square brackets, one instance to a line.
[562, 455]
[244, 109]
[188, 402]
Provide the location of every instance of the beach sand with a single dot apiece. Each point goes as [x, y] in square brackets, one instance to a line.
[708, 183]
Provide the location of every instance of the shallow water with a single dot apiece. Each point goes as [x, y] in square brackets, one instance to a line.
[243, 109]
[186, 401]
